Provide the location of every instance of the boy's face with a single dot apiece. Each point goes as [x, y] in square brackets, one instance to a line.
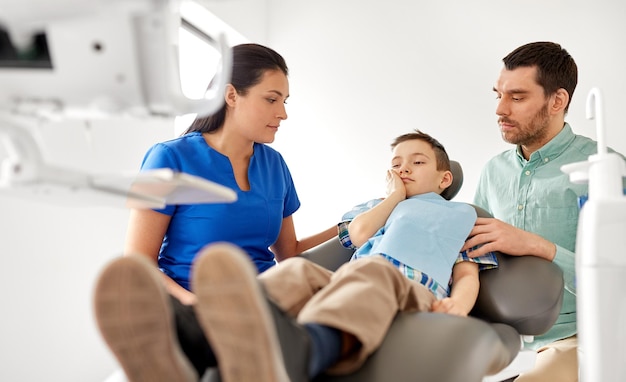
[414, 160]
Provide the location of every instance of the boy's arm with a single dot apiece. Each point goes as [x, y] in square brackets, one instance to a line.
[366, 224]
[464, 292]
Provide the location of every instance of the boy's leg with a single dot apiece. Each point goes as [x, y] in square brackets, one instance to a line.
[135, 318]
[245, 330]
[293, 282]
[288, 287]
[234, 312]
[362, 299]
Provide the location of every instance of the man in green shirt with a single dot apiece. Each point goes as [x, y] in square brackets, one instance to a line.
[535, 207]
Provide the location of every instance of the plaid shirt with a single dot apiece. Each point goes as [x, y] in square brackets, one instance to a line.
[487, 261]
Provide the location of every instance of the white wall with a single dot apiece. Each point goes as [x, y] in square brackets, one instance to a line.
[51, 256]
[248, 17]
[362, 72]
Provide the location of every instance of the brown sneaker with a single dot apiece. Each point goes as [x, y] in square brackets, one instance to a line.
[235, 316]
[135, 318]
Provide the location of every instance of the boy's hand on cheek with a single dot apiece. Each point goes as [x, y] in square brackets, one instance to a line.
[395, 184]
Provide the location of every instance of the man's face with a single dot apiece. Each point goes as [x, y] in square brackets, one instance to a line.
[522, 108]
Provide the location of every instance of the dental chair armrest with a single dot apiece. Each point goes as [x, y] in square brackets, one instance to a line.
[426, 347]
[525, 292]
[330, 254]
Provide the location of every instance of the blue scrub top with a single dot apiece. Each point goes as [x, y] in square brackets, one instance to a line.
[252, 222]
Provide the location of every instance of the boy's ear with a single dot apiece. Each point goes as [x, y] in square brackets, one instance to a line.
[446, 180]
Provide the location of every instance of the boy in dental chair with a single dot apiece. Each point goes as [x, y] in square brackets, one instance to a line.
[347, 313]
[407, 260]
[415, 228]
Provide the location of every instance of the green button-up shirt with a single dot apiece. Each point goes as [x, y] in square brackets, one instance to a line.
[536, 196]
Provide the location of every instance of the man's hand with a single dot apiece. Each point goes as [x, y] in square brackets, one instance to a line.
[496, 235]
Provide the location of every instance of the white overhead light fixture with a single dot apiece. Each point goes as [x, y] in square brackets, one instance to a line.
[97, 59]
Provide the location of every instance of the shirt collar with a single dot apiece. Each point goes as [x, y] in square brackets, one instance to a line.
[552, 149]
[428, 196]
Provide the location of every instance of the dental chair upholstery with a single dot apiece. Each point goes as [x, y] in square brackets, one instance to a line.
[522, 296]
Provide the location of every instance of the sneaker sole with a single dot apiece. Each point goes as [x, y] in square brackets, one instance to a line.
[235, 317]
[134, 317]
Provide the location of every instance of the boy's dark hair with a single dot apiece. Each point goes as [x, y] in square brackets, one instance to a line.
[443, 162]
[556, 68]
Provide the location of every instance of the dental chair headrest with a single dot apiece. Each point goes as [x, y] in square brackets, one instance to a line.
[457, 181]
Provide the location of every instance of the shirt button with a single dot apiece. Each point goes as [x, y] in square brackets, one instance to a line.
[520, 207]
[545, 160]
[527, 172]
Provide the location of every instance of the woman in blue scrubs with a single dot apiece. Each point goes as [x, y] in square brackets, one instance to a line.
[228, 148]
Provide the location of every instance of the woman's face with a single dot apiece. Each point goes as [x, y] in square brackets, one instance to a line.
[258, 113]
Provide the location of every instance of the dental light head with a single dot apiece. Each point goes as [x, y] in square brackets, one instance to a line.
[98, 59]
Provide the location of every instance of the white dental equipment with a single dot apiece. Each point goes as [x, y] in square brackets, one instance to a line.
[601, 258]
[93, 59]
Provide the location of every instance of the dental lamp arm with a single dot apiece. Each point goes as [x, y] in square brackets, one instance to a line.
[25, 173]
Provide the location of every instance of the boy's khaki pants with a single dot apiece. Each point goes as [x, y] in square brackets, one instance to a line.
[361, 298]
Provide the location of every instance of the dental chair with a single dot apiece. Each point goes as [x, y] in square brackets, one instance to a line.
[516, 301]
[520, 299]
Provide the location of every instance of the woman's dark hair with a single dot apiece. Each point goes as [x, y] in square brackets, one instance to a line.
[556, 69]
[250, 62]
[441, 156]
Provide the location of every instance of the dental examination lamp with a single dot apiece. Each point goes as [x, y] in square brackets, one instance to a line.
[600, 258]
[91, 60]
